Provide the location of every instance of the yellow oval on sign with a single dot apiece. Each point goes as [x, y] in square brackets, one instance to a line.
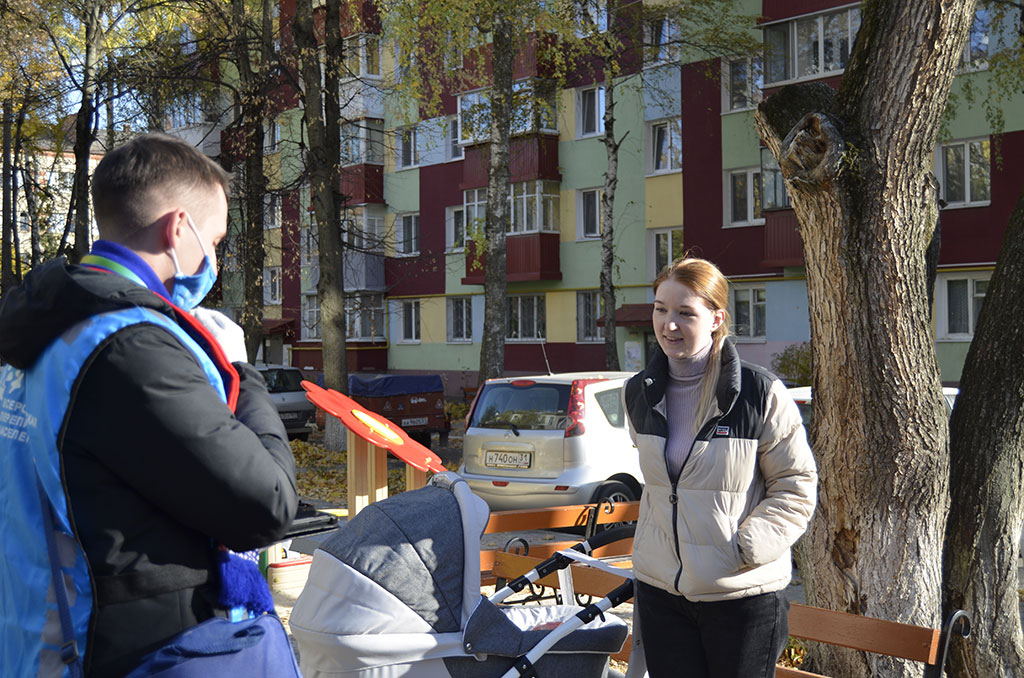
[378, 427]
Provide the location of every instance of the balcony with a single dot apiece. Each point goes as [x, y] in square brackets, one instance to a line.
[364, 271]
[530, 256]
[782, 244]
[361, 184]
[360, 101]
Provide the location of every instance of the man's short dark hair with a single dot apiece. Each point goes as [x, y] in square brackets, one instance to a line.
[129, 178]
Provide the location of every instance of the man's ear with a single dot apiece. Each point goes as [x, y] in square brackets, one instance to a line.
[172, 227]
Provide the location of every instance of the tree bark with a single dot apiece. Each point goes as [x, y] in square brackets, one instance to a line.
[492, 346]
[322, 119]
[611, 182]
[856, 166]
[987, 472]
[7, 231]
[84, 133]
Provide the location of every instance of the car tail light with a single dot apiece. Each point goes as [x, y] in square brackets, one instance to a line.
[519, 383]
[500, 483]
[574, 425]
[561, 488]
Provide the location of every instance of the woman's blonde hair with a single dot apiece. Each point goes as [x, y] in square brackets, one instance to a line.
[708, 283]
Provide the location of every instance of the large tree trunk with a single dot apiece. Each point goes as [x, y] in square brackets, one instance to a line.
[323, 130]
[987, 473]
[7, 231]
[611, 182]
[492, 346]
[857, 169]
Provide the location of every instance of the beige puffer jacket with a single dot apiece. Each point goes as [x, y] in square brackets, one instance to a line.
[744, 496]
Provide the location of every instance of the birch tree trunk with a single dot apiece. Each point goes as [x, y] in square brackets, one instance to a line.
[857, 167]
[492, 346]
[7, 231]
[987, 460]
[84, 125]
[611, 182]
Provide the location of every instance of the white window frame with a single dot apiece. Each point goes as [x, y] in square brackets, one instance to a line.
[979, 41]
[360, 65]
[663, 40]
[368, 307]
[596, 13]
[596, 93]
[753, 84]
[460, 307]
[272, 137]
[787, 32]
[452, 142]
[582, 197]
[272, 286]
[474, 117]
[589, 309]
[967, 147]
[310, 330]
[771, 183]
[752, 303]
[517, 313]
[271, 211]
[474, 200]
[455, 228]
[975, 297]
[410, 321]
[674, 136]
[538, 199]
[407, 234]
[753, 215]
[309, 245]
[674, 248]
[405, 143]
[529, 114]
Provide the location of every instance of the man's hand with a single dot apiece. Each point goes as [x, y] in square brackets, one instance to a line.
[228, 334]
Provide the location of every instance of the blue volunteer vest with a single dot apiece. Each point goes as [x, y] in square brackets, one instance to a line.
[33, 408]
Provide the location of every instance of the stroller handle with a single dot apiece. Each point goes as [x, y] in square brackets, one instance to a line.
[604, 538]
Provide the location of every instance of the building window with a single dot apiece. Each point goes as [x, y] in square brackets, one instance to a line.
[309, 247]
[460, 319]
[362, 56]
[748, 311]
[743, 197]
[533, 206]
[663, 40]
[186, 111]
[455, 227]
[668, 246]
[591, 17]
[975, 55]
[742, 82]
[474, 117]
[410, 321]
[362, 142]
[453, 149]
[589, 210]
[475, 201]
[966, 173]
[310, 317]
[590, 107]
[534, 106]
[526, 318]
[589, 308]
[271, 137]
[364, 317]
[374, 141]
[666, 146]
[407, 153]
[809, 47]
[272, 285]
[773, 186]
[271, 211]
[963, 296]
[407, 241]
[366, 232]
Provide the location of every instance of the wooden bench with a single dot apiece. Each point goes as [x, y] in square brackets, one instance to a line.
[916, 643]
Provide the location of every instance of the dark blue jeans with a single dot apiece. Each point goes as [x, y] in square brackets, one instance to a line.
[740, 638]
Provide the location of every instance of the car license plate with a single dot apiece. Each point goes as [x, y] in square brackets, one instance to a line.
[508, 459]
[289, 416]
[415, 421]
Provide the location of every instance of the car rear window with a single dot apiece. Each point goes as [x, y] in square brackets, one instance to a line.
[611, 404]
[282, 381]
[537, 407]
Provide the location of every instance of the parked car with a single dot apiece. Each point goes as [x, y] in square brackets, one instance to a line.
[804, 400]
[295, 410]
[550, 440]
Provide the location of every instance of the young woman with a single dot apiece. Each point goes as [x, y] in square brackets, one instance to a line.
[730, 485]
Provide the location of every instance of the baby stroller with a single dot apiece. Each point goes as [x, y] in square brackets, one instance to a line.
[396, 592]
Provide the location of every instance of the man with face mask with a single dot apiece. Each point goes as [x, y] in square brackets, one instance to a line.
[130, 418]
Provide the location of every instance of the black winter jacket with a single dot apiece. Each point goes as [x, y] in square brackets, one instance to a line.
[157, 469]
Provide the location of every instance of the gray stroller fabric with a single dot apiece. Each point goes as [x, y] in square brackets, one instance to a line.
[412, 546]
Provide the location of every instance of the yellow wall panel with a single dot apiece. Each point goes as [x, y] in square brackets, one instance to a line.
[432, 320]
[664, 200]
[561, 320]
[567, 115]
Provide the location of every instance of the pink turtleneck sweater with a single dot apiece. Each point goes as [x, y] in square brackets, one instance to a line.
[682, 401]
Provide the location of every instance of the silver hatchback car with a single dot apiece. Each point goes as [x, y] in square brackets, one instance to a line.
[285, 386]
[550, 440]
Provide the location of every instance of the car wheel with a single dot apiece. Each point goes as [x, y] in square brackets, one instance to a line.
[614, 490]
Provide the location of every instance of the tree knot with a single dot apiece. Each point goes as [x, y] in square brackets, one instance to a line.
[812, 152]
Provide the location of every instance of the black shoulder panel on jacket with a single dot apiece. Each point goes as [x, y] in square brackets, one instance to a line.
[641, 413]
[746, 418]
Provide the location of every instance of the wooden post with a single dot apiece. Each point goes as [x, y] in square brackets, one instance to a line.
[414, 478]
[367, 474]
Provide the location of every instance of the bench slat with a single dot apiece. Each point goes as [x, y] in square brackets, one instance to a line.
[558, 516]
[865, 633]
[786, 672]
[539, 552]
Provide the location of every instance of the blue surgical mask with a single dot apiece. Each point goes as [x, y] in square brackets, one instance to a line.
[189, 290]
